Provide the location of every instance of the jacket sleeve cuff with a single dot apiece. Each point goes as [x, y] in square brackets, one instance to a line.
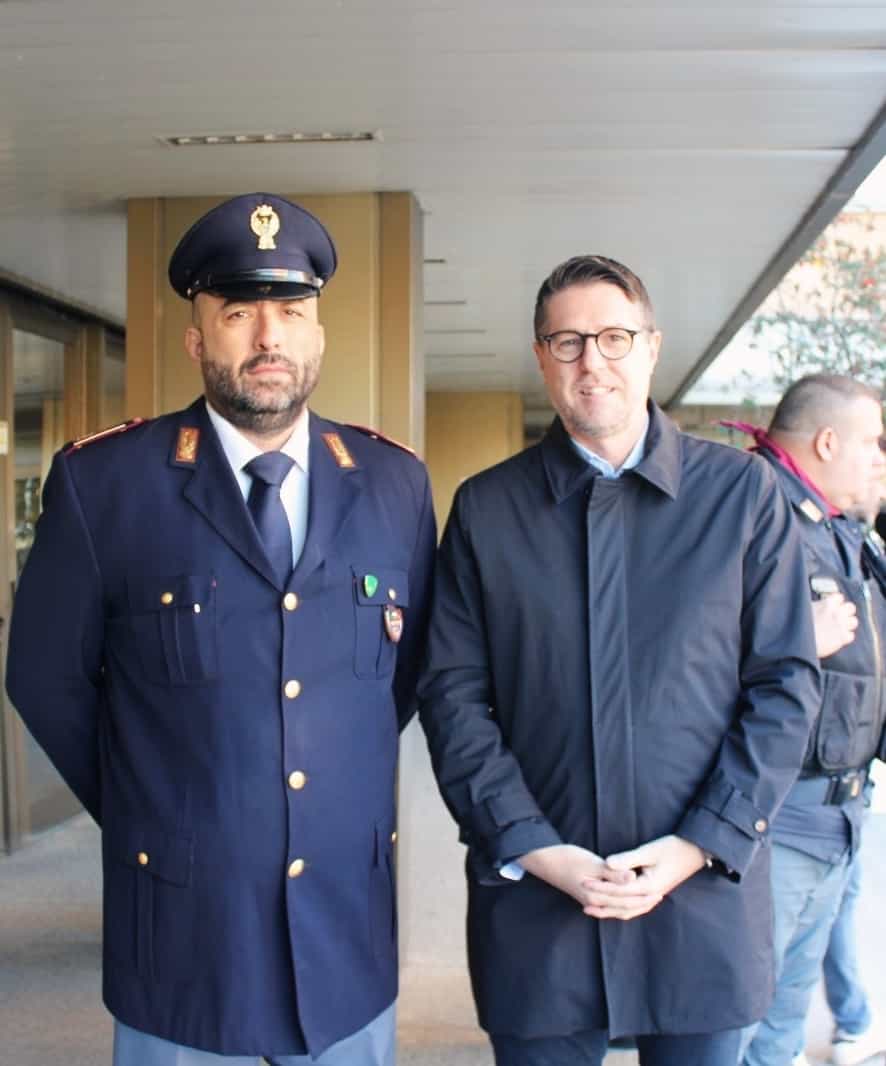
[485, 865]
[520, 838]
[731, 849]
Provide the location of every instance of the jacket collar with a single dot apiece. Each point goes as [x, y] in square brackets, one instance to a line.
[213, 490]
[800, 494]
[661, 466]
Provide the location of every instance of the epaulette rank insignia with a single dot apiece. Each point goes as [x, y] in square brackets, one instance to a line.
[187, 444]
[111, 431]
[811, 510]
[375, 435]
[339, 452]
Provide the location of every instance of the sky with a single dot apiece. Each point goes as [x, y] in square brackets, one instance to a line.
[871, 194]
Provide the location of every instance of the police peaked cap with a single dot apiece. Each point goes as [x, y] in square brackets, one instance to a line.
[254, 247]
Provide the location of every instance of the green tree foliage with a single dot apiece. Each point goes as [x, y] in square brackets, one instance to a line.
[828, 313]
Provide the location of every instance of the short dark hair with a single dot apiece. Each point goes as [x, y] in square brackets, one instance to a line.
[585, 270]
[815, 400]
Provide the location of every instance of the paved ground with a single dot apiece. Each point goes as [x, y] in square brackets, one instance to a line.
[50, 929]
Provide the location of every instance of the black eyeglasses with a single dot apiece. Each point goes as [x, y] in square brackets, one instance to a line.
[567, 345]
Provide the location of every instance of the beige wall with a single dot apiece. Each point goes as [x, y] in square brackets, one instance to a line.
[467, 432]
[371, 311]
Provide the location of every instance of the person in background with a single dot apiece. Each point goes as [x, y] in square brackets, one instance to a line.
[824, 446]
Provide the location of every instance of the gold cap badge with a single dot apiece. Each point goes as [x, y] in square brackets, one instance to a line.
[187, 444]
[265, 224]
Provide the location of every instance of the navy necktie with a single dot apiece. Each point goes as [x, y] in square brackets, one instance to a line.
[268, 472]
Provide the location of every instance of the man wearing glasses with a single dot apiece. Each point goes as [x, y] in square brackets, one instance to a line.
[620, 665]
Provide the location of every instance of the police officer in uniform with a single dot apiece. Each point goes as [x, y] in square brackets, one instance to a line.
[824, 446]
[216, 639]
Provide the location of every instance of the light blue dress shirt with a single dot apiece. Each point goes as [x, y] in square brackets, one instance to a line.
[293, 491]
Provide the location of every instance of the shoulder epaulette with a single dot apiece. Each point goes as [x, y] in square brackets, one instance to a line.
[111, 431]
[375, 435]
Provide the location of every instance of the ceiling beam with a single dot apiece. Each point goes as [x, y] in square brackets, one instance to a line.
[862, 159]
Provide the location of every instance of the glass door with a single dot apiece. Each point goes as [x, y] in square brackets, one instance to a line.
[43, 396]
[38, 431]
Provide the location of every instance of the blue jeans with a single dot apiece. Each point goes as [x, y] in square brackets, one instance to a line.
[806, 896]
[842, 984]
[589, 1048]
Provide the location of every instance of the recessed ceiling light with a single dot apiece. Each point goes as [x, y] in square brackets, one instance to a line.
[463, 355]
[201, 140]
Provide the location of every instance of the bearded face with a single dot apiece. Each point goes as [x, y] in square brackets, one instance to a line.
[260, 359]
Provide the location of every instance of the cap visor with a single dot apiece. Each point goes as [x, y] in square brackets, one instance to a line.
[263, 290]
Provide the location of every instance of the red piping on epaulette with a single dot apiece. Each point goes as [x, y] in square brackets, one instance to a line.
[111, 431]
[374, 433]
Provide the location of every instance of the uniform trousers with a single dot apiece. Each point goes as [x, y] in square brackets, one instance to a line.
[589, 1048]
[373, 1045]
[807, 894]
[842, 982]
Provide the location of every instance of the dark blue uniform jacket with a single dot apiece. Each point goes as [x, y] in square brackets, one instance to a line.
[849, 723]
[150, 652]
[610, 662]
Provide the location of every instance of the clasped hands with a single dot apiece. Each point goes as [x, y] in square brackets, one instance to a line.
[622, 886]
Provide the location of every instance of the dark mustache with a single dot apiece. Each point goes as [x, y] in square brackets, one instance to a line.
[264, 358]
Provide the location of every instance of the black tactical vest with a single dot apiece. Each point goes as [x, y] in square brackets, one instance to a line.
[848, 732]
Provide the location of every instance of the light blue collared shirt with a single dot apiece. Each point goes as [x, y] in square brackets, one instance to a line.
[293, 491]
[513, 871]
[607, 470]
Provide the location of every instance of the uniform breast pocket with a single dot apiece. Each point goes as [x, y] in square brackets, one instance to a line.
[380, 599]
[174, 627]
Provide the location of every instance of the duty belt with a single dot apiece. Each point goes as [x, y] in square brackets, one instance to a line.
[831, 789]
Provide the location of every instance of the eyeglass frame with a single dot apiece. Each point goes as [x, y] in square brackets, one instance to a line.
[585, 337]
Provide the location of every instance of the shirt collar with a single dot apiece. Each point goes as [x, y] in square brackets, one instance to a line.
[607, 470]
[661, 465]
[239, 451]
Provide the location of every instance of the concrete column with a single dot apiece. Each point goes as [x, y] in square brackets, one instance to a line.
[467, 432]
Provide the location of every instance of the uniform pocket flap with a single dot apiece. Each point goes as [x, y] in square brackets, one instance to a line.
[374, 588]
[146, 594]
[164, 855]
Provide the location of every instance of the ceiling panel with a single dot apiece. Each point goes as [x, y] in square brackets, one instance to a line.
[687, 140]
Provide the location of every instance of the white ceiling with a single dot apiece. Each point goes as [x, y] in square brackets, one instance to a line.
[688, 141]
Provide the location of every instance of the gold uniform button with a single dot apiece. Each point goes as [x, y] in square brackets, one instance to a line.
[143, 859]
[394, 837]
[167, 598]
[290, 601]
[296, 868]
[392, 594]
[297, 780]
[292, 689]
[760, 825]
